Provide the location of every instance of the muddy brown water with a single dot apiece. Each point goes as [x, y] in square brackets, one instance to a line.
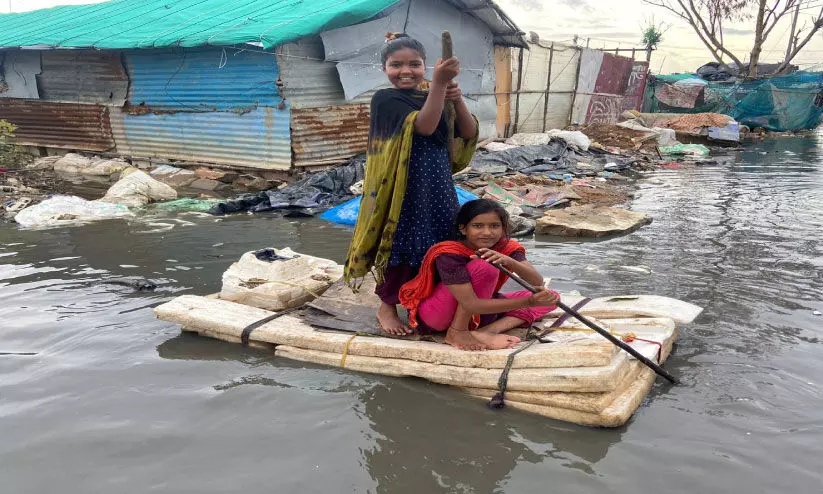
[113, 400]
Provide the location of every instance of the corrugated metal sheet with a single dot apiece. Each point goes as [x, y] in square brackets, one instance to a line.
[83, 76]
[308, 81]
[202, 79]
[18, 73]
[636, 86]
[331, 135]
[614, 74]
[59, 125]
[256, 139]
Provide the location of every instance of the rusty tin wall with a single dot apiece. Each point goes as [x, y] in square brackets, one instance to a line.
[83, 76]
[330, 135]
[256, 139]
[208, 104]
[59, 125]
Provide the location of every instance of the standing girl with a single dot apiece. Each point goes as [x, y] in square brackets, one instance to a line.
[457, 292]
[408, 200]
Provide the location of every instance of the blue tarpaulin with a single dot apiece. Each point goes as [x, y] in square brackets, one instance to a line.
[785, 103]
[346, 213]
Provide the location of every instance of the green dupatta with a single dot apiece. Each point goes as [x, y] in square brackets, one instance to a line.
[387, 170]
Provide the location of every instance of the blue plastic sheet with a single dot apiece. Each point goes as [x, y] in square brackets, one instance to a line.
[346, 213]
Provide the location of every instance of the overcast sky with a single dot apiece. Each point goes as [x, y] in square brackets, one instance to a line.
[604, 24]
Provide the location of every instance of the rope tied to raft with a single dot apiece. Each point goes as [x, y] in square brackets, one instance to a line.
[498, 401]
[627, 337]
[246, 333]
[254, 283]
[346, 347]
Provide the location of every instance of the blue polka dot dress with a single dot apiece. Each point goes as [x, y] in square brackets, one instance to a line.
[429, 205]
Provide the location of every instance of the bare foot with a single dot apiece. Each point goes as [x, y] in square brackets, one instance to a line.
[463, 340]
[390, 321]
[496, 341]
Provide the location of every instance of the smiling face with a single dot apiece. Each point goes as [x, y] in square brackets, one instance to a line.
[405, 68]
[483, 231]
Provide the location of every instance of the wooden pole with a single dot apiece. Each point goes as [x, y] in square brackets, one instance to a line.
[660, 371]
[448, 52]
[517, 92]
[576, 79]
[548, 86]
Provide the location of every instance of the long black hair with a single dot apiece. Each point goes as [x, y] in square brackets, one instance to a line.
[475, 208]
[401, 42]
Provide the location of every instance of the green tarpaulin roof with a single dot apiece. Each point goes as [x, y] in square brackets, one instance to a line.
[121, 24]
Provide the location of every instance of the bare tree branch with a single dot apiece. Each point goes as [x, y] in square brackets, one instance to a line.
[707, 19]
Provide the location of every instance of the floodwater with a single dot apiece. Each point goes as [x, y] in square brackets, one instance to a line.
[98, 396]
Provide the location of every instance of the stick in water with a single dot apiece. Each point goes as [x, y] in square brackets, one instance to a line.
[631, 351]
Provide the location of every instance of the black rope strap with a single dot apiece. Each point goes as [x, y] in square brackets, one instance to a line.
[244, 336]
[560, 320]
[498, 401]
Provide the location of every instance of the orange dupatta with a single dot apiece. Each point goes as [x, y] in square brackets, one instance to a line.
[414, 292]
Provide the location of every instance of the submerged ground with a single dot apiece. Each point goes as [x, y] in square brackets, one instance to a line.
[98, 396]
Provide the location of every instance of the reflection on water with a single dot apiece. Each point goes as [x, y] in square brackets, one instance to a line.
[98, 393]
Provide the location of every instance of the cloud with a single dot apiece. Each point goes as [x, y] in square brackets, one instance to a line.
[528, 5]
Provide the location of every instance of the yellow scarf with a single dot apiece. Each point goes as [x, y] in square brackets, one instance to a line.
[384, 187]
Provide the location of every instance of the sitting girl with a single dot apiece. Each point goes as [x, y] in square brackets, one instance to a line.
[454, 286]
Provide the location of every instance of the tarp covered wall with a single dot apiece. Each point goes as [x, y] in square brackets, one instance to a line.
[785, 103]
[356, 51]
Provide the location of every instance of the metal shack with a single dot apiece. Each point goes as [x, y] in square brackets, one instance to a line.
[265, 84]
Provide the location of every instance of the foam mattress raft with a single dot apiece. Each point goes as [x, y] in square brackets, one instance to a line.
[570, 374]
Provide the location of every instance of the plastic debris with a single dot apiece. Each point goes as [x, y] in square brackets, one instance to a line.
[573, 138]
[185, 204]
[278, 279]
[138, 189]
[69, 210]
[346, 213]
[694, 150]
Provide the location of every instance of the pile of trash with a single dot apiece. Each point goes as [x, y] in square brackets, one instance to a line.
[556, 160]
[21, 188]
[303, 197]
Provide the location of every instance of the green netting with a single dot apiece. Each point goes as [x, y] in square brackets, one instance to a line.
[121, 24]
[786, 103]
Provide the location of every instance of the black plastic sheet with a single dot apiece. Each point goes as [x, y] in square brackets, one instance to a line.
[317, 190]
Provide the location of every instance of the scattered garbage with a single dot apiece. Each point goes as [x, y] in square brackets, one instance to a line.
[357, 188]
[346, 213]
[173, 176]
[519, 225]
[525, 139]
[44, 163]
[693, 150]
[278, 279]
[495, 146]
[76, 164]
[590, 221]
[316, 190]
[69, 210]
[613, 136]
[184, 205]
[136, 188]
[695, 122]
[574, 138]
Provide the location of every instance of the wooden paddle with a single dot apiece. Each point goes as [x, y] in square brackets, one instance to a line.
[634, 353]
